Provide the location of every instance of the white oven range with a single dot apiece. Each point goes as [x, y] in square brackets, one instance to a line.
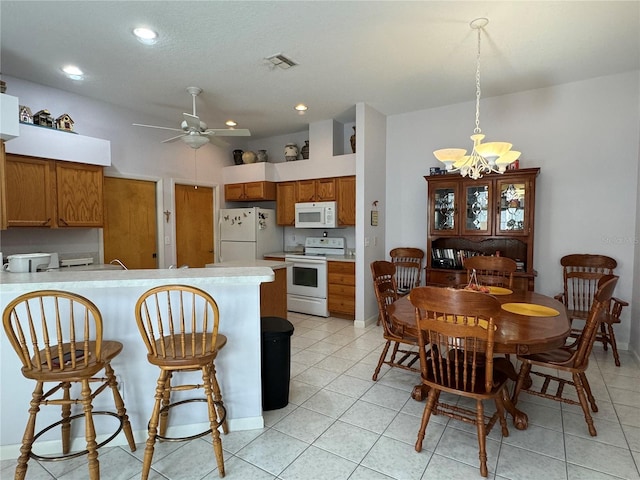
[307, 277]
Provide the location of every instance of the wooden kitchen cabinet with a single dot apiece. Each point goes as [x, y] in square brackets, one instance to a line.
[286, 203]
[273, 295]
[46, 193]
[80, 195]
[316, 190]
[341, 288]
[346, 197]
[492, 214]
[249, 191]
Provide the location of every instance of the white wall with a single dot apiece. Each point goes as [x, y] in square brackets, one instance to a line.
[584, 136]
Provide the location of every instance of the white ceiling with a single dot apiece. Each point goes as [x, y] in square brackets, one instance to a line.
[396, 56]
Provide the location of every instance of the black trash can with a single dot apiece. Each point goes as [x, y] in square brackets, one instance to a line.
[276, 361]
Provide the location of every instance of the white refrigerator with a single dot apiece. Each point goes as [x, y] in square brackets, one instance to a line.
[248, 233]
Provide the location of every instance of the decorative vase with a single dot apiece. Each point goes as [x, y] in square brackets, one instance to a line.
[291, 152]
[262, 156]
[353, 141]
[237, 157]
[249, 157]
[305, 150]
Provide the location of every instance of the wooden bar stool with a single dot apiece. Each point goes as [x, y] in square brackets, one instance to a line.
[179, 326]
[58, 337]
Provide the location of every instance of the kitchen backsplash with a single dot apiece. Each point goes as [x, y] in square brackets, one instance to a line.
[69, 243]
[294, 237]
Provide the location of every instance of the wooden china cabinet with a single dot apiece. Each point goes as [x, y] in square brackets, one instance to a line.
[493, 215]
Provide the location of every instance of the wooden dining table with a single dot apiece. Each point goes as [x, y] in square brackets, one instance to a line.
[516, 333]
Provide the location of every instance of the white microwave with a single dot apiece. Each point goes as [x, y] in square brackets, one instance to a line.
[316, 215]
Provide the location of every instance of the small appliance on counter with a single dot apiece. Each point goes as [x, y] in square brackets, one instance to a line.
[307, 277]
[27, 262]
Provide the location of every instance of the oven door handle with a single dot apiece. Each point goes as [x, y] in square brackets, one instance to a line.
[306, 261]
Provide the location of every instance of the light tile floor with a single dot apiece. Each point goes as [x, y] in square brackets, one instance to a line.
[339, 424]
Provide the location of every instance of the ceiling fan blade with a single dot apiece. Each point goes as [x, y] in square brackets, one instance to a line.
[218, 142]
[173, 139]
[156, 126]
[192, 121]
[227, 132]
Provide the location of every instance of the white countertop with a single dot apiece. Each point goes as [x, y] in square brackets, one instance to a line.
[272, 264]
[70, 278]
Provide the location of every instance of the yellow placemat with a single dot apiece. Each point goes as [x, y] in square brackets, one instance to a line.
[530, 309]
[500, 291]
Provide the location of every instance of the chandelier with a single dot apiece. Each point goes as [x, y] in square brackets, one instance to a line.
[485, 157]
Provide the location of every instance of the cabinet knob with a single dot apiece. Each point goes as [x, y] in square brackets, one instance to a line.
[62, 220]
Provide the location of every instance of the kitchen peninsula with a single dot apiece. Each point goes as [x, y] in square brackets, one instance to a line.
[115, 292]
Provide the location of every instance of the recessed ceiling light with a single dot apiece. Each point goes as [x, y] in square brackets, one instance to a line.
[145, 35]
[301, 108]
[230, 123]
[73, 72]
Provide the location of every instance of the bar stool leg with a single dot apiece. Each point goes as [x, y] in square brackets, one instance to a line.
[29, 432]
[166, 400]
[208, 377]
[153, 423]
[120, 409]
[90, 431]
[217, 396]
[66, 413]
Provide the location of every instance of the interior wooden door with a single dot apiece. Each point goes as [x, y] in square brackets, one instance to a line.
[130, 227]
[194, 225]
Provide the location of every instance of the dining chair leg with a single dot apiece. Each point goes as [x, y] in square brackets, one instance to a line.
[213, 418]
[603, 335]
[383, 355]
[90, 431]
[612, 340]
[583, 403]
[502, 416]
[217, 396]
[587, 389]
[120, 408]
[65, 427]
[431, 401]
[482, 439]
[153, 423]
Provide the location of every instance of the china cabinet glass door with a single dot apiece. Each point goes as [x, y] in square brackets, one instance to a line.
[444, 211]
[513, 213]
[478, 205]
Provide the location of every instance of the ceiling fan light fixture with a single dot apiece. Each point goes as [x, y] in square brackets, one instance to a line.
[145, 35]
[195, 141]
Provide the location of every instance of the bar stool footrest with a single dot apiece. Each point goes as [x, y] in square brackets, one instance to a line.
[219, 406]
[68, 456]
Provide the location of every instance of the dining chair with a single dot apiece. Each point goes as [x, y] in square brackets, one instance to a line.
[491, 271]
[408, 262]
[581, 273]
[569, 359]
[404, 353]
[58, 338]
[459, 326]
[179, 326]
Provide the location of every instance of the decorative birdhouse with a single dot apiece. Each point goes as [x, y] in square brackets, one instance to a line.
[64, 122]
[25, 114]
[43, 118]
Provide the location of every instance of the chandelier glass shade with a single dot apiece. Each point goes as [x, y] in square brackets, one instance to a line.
[490, 157]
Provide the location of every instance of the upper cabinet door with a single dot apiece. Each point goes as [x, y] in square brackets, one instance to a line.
[28, 193]
[514, 212]
[80, 194]
[443, 208]
[477, 217]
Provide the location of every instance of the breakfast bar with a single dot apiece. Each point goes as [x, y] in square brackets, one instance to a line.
[115, 292]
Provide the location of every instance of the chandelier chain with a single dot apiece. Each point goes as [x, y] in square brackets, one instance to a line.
[477, 129]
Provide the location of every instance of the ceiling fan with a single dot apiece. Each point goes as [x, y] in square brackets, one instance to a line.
[195, 132]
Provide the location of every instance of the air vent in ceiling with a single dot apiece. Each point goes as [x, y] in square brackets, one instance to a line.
[281, 61]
